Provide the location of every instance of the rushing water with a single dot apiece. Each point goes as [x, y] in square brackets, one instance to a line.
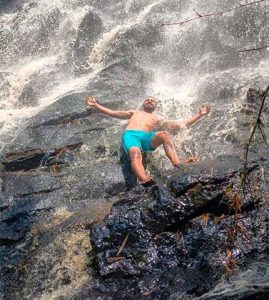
[242, 284]
[52, 48]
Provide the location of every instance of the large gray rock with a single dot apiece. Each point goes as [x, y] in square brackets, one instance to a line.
[65, 123]
[154, 241]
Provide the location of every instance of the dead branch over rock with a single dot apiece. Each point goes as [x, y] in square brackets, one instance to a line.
[253, 49]
[256, 124]
[219, 13]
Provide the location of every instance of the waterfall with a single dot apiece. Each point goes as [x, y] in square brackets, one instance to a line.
[52, 49]
[62, 168]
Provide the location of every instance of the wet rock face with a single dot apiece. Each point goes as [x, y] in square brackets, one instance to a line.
[58, 177]
[89, 30]
[150, 244]
[68, 160]
[36, 88]
[248, 116]
[169, 242]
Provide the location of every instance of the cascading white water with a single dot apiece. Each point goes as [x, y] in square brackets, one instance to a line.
[29, 50]
[183, 65]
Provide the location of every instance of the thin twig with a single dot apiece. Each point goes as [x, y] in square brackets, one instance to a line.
[236, 198]
[263, 135]
[220, 13]
[112, 259]
[123, 245]
[200, 16]
[246, 148]
[253, 49]
[255, 126]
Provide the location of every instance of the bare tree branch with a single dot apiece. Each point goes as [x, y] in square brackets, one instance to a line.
[220, 13]
[253, 49]
[200, 16]
[123, 244]
[263, 135]
[255, 126]
[246, 148]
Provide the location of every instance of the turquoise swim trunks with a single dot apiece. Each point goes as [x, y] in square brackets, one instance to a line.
[137, 138]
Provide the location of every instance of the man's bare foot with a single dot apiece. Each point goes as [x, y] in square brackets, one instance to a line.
[191, 159]
[148, 182]
[186, 161]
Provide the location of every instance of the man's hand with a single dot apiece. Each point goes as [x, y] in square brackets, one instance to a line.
[120, 114]
[204, 110]
[91, 101]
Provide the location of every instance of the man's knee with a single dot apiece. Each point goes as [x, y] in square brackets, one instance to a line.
[164, 136]
[135, 154]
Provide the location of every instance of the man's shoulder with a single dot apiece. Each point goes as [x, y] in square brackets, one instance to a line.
[159, 118]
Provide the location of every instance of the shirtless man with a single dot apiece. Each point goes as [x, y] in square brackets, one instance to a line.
[140, 135]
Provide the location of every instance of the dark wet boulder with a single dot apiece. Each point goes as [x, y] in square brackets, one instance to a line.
[191, 261]
[13, 232]
[36, 257]
[199, 226]
[37, 158]
[23, 196]
[106, 176]
[27, 205]
[25, 160]
[29, 184]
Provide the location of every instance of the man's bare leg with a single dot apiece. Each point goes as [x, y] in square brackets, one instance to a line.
[165, 139]
[137, 164]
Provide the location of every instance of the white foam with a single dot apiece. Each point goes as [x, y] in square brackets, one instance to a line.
[174, 94]
[21, 74]
[13, 117]
[96, 57]
[24, 69]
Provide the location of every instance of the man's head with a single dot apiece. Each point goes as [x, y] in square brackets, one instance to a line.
[149, 104]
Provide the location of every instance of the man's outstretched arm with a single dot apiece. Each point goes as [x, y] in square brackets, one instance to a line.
[176, 125]
[120, 114]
